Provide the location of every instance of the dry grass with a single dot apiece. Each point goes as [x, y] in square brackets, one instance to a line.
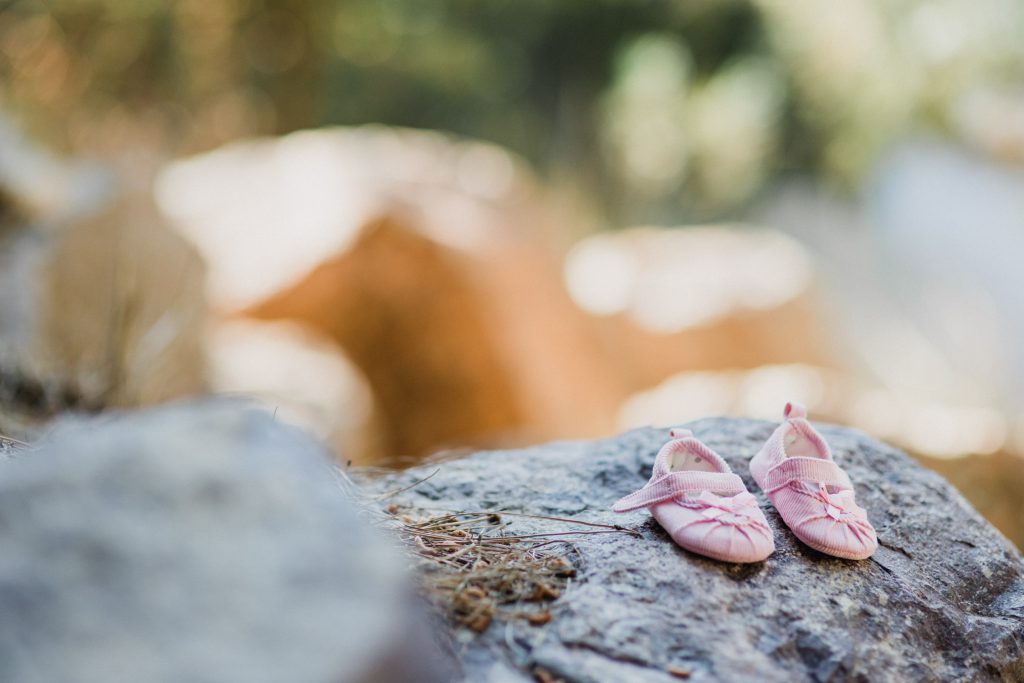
[475, 570]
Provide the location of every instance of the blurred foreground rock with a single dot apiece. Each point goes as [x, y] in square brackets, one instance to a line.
[100, 304]
[942, 598]
[196, 543]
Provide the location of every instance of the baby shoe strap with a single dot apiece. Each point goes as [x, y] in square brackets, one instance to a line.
[676, 484]
[806, 469]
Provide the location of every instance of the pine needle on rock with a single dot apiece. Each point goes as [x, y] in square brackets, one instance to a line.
[475, 570]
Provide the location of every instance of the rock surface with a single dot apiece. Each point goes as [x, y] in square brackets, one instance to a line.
[942, 599]
[200, 544]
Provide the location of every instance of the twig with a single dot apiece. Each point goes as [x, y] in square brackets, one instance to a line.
[11, 439]
[615, 527]
[392, 494]
[526, 537]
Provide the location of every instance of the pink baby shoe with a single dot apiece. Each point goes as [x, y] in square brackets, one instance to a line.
[703, 506]
[811, 492]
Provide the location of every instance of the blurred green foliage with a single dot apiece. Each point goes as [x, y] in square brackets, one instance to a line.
[656, 110]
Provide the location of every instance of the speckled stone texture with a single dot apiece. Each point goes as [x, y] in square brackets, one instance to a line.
[941, 600]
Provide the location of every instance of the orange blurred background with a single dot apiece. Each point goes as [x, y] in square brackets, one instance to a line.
[418, 226]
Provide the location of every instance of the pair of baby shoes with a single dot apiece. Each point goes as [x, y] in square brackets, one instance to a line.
[706, 509]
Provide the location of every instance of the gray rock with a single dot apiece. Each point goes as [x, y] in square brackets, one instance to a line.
[198, 543]
[941, 600]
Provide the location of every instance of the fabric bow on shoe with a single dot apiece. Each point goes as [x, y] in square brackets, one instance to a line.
[738, 510]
